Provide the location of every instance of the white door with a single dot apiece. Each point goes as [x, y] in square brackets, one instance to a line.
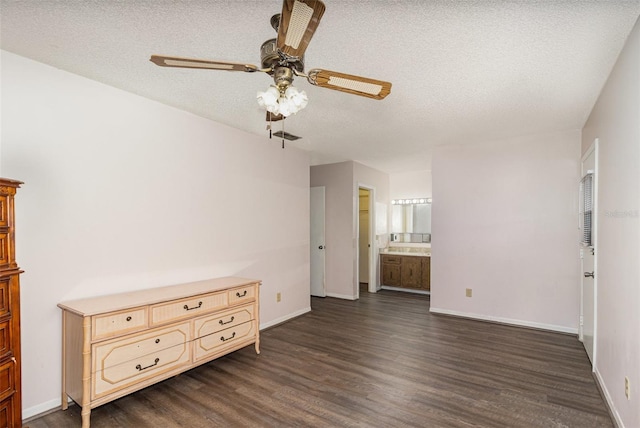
[317, 241]
[588, 253]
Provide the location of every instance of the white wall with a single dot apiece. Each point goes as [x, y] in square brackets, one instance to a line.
[337, 178]
[124, 193]
[410, 184]
[615, 121]
[342, 181]
[505, 213]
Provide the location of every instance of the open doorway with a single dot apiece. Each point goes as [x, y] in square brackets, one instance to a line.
[366, 276]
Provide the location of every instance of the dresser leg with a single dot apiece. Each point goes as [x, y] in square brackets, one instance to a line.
[86, 414]
[64, 405]
[257, 345]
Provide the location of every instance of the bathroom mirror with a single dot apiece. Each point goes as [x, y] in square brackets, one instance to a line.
[411, 218]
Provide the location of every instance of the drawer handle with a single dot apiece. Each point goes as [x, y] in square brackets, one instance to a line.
[228, 338]
[230, 321]
[241, 295]
[157, 340]
[187, 308]
[128, 318]
[155, 363]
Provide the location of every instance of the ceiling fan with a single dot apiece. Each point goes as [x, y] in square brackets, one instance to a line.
[283, 58]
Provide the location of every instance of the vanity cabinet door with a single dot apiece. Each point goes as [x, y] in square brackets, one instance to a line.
[391, 275]
[391, 271]
[426, 273]
[411, 272]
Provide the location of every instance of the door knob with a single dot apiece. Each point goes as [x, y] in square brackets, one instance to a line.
[320, 247]
[589, 274]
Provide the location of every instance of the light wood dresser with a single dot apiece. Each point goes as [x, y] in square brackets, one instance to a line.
[10, 361]
[117, 344]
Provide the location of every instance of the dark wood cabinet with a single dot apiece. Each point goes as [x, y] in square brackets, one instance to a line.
[391, 270]
[406, 271]
[10, 362]
[426, 273]
[411, 272]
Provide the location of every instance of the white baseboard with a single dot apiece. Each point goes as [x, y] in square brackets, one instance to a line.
[607, 397]
[341, 296]
[41, 409]
[285, 318]
[520, 323]
[406, 290]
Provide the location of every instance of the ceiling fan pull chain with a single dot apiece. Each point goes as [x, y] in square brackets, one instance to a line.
[283, 133]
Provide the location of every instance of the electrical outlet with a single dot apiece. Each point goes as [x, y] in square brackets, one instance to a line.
[278, 297]
[469, 292]
[627, 388]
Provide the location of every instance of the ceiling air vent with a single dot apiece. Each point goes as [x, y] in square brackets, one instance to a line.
[286, 136]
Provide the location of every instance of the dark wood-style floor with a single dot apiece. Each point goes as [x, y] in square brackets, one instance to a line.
[381, 361]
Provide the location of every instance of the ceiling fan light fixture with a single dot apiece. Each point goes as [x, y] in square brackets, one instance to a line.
[268, 97]
[283, 102]
[286, 107]
[297, 98]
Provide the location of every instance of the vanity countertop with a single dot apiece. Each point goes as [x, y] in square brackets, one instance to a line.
[407, 251]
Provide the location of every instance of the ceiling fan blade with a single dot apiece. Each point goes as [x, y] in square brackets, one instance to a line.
[298, 22]
[174, 61]
[363, 86]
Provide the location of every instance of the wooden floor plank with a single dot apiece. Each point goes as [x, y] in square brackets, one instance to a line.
[381, 361]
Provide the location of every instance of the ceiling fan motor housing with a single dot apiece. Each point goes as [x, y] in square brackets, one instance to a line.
[270, 58]
[283, 77]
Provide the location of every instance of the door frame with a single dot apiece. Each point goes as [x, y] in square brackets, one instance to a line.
[323, 292]
[372, 241]
[593, 149]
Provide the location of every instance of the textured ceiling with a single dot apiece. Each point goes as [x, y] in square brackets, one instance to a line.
[462, 71]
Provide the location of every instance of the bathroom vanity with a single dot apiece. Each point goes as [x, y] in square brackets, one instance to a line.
[406, 264]
[406, 268]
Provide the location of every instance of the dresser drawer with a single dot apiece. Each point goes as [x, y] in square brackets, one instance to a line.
[4, 210]
[217, 342]
[125, 361]
[118, 323]
[4, 296]
[7, 379]
[221, 321]
[7, 417]
[187, 308]
[4, 249]
[396, 260]
[5, 339]
[242, 294]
